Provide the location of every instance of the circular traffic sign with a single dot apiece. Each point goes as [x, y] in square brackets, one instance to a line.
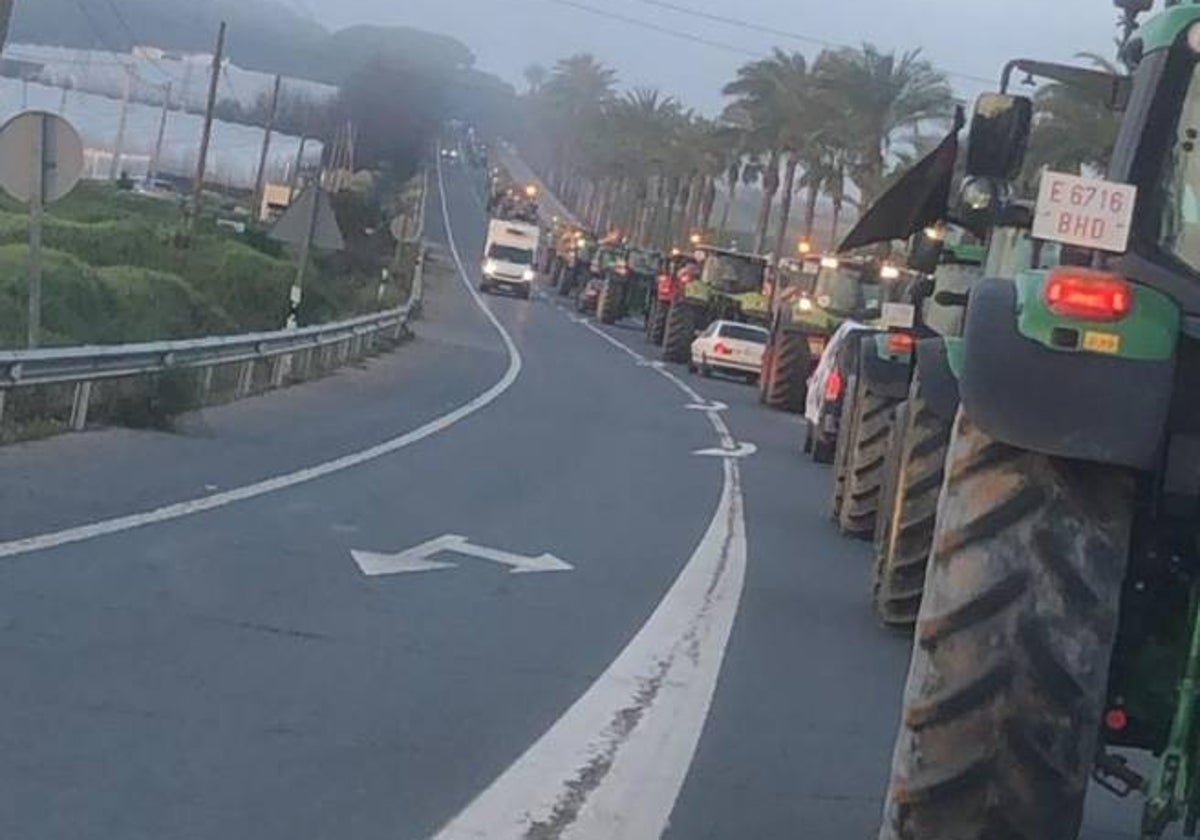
[39, 139]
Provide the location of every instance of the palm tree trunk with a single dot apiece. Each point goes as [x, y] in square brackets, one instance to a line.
[709, 202]
[729, 199]
[770, 185]
[785, 203]
[810, 210]
[833, 230]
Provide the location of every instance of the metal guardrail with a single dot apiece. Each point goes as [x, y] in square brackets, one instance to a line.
[323, 344]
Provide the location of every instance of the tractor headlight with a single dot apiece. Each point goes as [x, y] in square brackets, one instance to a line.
[804, 304]
[527, 274]
[978, 194]
[489, 267]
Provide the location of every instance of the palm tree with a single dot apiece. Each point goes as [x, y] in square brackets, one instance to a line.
[574, 95]
[776, 95]
[1073, 128]
[877, 96]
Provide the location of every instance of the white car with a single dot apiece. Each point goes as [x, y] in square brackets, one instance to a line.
[730, 347]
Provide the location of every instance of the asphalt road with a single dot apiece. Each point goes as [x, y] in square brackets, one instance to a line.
[225, 669]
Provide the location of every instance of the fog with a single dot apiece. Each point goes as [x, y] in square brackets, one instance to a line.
[969, 38]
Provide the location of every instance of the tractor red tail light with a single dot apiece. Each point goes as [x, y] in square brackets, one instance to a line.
[900, 342]
[833, 386]
[1116, 719]
[722, 349]
[1088, 295]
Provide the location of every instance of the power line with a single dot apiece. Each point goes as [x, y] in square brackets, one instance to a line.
[654, 27]
[133, 39]
[779, 33]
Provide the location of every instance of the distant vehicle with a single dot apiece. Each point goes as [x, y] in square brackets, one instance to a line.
[449, 154]
[827, 388]
[730, 347]
[510, 255]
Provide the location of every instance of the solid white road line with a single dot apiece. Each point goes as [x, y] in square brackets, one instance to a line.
[166, 513]
[612, 766]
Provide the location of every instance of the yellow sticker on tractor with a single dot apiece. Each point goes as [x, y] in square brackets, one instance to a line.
[1102, 342]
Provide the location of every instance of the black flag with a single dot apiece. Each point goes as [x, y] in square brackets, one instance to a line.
[920, 198]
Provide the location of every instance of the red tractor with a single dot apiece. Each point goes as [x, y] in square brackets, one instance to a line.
[666, 288]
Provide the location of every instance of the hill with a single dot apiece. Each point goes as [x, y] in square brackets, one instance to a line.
[263, 35]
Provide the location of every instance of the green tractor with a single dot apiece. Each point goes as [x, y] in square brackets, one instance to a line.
[815, 297]
[1061, 609]
[719, 284]
[629, 285]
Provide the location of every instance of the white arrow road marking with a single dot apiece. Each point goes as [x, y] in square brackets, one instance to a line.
[166, 513]
[416, 559]
[715, 405]
[741, 450]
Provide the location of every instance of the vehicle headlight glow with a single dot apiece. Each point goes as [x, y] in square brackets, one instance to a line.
[829, 262]
[805, 304]
[527, 274]
[489, 267]
[889, 272]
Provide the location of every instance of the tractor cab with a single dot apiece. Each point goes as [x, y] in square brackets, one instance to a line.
[848, 287]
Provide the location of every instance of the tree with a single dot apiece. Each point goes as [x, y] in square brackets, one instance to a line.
[878, 95]
[535, 76]
[1073, 128]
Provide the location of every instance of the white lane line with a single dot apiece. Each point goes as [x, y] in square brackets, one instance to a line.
[620, 345]
[166, 513]
[612, 766]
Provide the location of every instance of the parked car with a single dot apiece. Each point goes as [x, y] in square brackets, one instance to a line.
[730, 347]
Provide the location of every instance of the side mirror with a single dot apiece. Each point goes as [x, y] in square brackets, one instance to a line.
[925, 252]
[999, 136]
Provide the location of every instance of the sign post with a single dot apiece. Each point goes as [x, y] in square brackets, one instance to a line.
[308, 222]
[41, 159]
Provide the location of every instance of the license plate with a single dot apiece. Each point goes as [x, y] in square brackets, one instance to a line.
[1101, 342]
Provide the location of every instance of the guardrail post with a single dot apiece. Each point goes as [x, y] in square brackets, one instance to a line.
[280, 366]
[206, 378]
[245, 378]
[3, 396]
[79, 405]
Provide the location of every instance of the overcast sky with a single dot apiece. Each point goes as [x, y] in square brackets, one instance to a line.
[965, 37]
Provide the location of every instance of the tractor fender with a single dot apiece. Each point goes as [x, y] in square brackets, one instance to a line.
[1066, 403]
[939, 385]
[886, 376]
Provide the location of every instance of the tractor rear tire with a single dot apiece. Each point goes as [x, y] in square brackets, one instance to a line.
[866, 451]
[1008, 678]
[786, 386]
[656, 322]
[679, 332]
[608, 307]
[915, 470]
[840, 449]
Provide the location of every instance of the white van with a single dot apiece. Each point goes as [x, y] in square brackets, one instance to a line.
[509, 257]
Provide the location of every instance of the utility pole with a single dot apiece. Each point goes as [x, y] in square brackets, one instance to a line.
[62, 100]
[118, 146]
[36, 206]
[198, 192]
[297, 293]
[152, 171]
[295, 179]
[6, 10]
[261, 180]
